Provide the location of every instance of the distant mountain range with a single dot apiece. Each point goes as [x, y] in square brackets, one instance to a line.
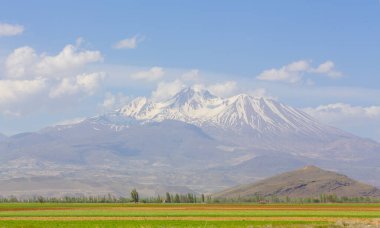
[307, 182]
[193, 141]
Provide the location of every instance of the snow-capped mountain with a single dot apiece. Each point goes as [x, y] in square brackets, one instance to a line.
[193, 141]
[241, 112]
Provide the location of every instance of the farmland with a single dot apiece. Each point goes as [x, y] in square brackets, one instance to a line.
[186, 215]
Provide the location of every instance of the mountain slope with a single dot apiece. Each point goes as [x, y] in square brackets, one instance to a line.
[309, 181]
[262, 116]
[194, 140]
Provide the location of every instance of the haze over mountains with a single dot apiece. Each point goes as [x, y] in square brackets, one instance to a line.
[193, 141]
[2, 137]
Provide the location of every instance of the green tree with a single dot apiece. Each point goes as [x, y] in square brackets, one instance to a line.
[190, 198]
[135, 195]
[168, 198]
[176, 199]
[40, 199]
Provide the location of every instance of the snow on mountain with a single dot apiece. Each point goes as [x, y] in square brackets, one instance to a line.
[193, 141]
[237, 113]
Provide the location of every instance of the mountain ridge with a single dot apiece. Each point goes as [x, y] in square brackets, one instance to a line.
[309, 181]
[209, 143]
[199, 107]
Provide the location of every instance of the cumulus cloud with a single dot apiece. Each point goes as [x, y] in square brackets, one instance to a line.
[10, 30]
[86, 83]
[20, 62]
[294, 72]
[359, 119]
[291, 73]
[25, 62]
[90, 82]
[16, 90]
[261, 92]
[70, 57]
[150, 75]
[129, 43]
[166, 90]
[327, 68]
[192, 75]
[223, 89]
[114, 101]
[31, 77]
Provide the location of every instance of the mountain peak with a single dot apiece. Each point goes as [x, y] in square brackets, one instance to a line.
[239, 113]
[191, 98]
[311, 167]
[194, 92]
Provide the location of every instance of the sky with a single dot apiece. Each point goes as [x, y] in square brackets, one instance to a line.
[61, 61]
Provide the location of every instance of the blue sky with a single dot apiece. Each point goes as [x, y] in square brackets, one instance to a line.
[320, 56]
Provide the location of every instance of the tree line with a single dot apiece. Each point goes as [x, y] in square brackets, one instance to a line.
[322, 198]
[134, 197]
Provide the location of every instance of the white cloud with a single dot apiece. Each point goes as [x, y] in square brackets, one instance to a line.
[10, 30]
[13, 91]
[129, 43]
[71, 121]
[361, 120]
[70, 57]
[166, 90]
[20, 62]
[114, 101]
[192, 75]
[261, 92]
[294, 72]
[68, 86]
[90, 82]
[24, 61]
[338, 111]
[298, 66]
[327, 68]
[223, 89]
[291, 73]
[150, 75]
[32, 78]
[85, 83]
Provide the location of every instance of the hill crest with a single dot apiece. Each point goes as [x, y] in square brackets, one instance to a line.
[309, 181]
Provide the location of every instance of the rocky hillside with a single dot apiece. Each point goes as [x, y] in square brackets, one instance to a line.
[309, 181]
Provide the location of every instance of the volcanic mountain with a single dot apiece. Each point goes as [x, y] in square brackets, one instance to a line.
[309, 181]
[193, 141]
[262, 117]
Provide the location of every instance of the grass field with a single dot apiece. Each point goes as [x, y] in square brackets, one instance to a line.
[187, 215]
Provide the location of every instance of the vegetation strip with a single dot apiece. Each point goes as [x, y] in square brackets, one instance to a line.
[320, 219]
[180, 215]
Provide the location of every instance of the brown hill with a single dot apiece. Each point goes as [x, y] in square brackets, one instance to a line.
[309, 181]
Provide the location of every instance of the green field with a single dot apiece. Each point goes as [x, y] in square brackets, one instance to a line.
[187, 215]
